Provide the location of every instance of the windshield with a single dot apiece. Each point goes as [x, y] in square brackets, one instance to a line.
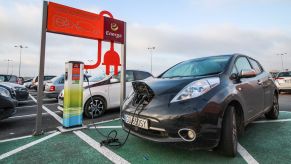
[198, 67]
[97, 78]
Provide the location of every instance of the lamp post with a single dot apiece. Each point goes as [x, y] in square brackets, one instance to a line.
[151, 53]
[20, 50]
[8, 60]
[282, 54]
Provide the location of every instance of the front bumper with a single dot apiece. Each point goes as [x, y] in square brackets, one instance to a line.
[51, 94]
[165, 120]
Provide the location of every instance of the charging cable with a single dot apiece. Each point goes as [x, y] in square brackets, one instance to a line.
[111, 138]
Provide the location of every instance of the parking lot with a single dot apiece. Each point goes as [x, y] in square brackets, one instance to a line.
[264, 141]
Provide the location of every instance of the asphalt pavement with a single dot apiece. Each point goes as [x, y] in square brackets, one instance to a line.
[23, 123]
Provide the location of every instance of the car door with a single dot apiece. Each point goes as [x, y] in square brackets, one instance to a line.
[250, 89]
[114, 88]
[265, 80]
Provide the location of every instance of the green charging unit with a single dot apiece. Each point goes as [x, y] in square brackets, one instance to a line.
[73, 94]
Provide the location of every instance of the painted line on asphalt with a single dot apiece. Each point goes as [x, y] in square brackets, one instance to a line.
[104, 127]
[31, 115]
[103, 150]
[101, 122]
[246, 155]
[30, 106]
[270, 121]
[23, 137]
[19, 149]
[57, 117]
[60, 108]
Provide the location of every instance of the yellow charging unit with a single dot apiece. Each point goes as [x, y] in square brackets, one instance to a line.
[73, 94]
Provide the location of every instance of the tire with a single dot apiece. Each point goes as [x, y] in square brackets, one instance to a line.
[274, 112]
[100, 104]
[228, 140]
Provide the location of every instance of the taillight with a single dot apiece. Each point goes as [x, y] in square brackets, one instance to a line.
[279, 78]
[52, 88]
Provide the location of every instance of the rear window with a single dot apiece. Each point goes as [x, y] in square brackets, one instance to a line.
[284, 74]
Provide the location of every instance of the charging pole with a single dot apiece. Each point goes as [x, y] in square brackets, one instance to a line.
[123, 70]
[38, 126]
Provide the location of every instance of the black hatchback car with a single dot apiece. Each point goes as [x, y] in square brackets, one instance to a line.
[204, 103]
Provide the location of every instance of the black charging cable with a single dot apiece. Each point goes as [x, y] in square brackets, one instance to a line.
[111, 138]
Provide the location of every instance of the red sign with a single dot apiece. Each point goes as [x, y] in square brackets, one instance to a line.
[76, 72]
[70, 21]
[113, 30]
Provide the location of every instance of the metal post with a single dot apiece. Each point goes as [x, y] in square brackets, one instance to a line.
[19, 60]
[38, 126]
[282, 62]
[123, 70]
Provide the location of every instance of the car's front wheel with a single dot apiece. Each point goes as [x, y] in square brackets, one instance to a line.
[228, 140]
[274, 112]
[95, 108]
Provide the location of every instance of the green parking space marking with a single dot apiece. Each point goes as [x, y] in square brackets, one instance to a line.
[64, 148]
[11, 145]
[269, 142]
[137, 150]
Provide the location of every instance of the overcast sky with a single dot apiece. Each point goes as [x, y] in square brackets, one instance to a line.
[179, 30]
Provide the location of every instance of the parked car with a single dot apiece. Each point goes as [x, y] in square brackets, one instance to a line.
[106, 93]
[18, 92]
[8, 78]
[54, 86]
[34, 84]
[7, 104]
[202, 103]
[283, 81]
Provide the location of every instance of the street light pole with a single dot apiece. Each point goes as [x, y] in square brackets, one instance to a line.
[282, 54]
[8, 60]
[151, 53]
[20, 51]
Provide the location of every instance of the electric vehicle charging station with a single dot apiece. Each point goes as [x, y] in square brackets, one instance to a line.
[73, 101]
[70, 21]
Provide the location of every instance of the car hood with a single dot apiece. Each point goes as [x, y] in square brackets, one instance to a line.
[11, 85]
[168, 85]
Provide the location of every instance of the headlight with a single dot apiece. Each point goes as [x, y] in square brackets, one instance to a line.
[4, 92]
[196, 88]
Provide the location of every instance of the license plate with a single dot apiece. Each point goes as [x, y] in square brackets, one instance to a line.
[139, 122]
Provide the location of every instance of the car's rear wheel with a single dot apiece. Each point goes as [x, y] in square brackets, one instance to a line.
[96, 108]
[228, 140]
[274, 112]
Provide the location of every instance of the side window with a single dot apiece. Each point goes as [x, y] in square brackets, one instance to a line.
[141, 75]
[256, 66]
[61, 81]
[12, 79]
[128, 76]
[242, 63]
[234, 70]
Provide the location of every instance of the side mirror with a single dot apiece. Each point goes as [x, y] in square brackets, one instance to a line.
[113, 80]
[247, 73]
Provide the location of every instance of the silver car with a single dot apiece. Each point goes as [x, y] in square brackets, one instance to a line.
[54, 86]
[283, 81]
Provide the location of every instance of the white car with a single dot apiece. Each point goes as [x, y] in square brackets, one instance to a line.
[283, 81]
[106, 93]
